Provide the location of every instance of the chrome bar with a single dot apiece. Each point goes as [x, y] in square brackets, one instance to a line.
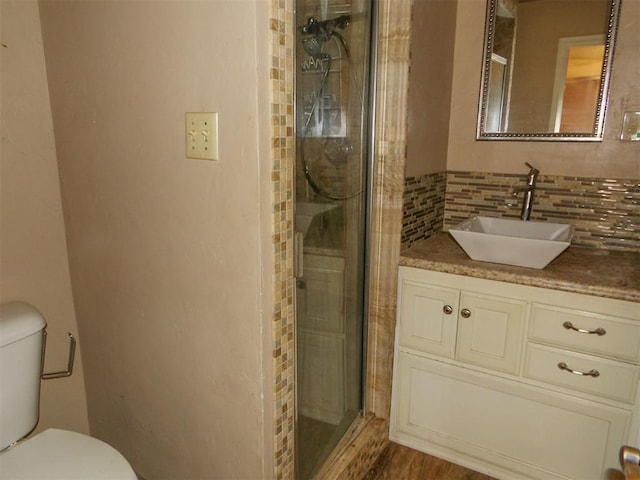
[72, 356]
[591, 373]
[298, 255]
[597, 331]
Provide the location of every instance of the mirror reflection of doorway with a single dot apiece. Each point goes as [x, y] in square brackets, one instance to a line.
[577, 82]
[497, 113]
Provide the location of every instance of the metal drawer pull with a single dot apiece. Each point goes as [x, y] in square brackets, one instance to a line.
[447, 309]
[465, 312]
[597, 331]
[591, 373]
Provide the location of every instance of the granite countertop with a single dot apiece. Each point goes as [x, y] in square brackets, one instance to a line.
[591, 271]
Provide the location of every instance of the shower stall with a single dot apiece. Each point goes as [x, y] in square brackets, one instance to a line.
[334, 52]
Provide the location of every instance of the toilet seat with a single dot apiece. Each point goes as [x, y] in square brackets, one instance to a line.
[60, 454]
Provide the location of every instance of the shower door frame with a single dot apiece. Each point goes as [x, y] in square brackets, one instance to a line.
[392, 68]
[368, 162]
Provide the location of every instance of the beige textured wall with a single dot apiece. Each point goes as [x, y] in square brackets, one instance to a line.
[610, 158]
[167, 254]
[33, 251]
[433, 27]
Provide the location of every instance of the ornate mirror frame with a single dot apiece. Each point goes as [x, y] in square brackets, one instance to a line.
[603, 93]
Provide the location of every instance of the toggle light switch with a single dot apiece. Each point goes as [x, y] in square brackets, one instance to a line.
[201, 135]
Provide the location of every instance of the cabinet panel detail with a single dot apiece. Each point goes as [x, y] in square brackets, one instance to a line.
[611, 379]
[323, 308]
[321, 377]
[620, 340]
[481, 417]
[519, 382]
[426, 326]
[491, 336]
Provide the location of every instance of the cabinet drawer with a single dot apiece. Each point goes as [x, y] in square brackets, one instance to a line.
[605, 378]
[559, 326]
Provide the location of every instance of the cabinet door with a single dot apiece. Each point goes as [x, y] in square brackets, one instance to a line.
[321, 366]
[490, 331]
[320, 300]
[495, 425]
[428, 318]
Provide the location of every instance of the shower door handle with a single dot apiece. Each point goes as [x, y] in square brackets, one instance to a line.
[298, 267]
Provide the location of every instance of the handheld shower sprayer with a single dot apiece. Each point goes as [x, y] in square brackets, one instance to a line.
[320, 31]
[315, 35]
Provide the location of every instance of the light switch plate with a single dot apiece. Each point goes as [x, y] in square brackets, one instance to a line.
[201, 135]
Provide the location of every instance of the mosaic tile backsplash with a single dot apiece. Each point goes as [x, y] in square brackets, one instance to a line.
[604, 212]
[422, 208]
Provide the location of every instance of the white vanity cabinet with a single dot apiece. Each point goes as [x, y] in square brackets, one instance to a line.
[514, 381]
[482, 329]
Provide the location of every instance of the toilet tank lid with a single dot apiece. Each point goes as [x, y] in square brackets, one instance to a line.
[17, 321]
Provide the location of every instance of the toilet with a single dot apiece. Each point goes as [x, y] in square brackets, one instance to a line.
[54, 453]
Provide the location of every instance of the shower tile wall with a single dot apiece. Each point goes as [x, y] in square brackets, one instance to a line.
[282, 159]
[605, 212]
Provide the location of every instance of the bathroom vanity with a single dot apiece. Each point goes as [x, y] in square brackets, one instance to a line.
[515, 372]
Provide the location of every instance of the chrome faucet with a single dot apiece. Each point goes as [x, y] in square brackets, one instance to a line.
[527, 201]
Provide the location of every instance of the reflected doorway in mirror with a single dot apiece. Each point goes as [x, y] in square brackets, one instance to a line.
[531, 97]
[576, 85]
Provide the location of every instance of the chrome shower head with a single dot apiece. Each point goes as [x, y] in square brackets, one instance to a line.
[313, 46]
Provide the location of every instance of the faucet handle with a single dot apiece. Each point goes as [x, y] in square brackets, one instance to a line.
[533, 169]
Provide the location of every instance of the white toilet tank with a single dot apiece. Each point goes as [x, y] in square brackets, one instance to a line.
[21, 327]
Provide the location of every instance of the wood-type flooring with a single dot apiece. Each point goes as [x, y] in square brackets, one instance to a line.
[402, 463]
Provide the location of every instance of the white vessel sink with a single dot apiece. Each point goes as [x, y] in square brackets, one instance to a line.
[512, 242]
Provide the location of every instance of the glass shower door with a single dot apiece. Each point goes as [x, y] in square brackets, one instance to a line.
[332, 90]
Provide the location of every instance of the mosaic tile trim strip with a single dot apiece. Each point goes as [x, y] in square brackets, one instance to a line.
[423, 207]
[605, 212]
[282, 161]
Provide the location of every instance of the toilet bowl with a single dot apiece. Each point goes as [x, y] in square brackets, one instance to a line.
[52, 454]
[60, 454]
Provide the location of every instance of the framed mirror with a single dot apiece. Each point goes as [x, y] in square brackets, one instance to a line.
[547, 68]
